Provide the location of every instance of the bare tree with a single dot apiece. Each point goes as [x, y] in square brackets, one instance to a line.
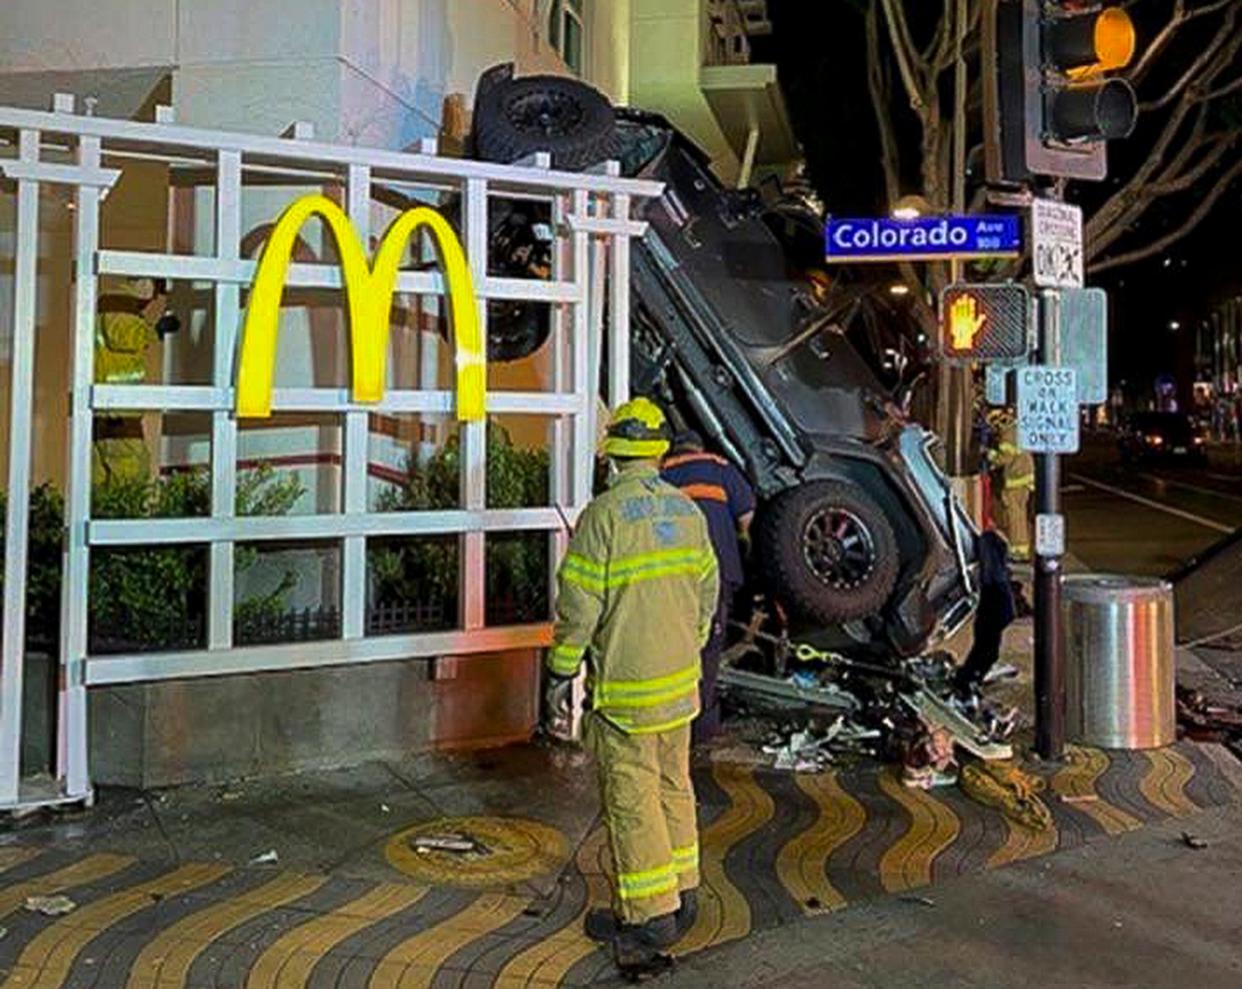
[1196, 153]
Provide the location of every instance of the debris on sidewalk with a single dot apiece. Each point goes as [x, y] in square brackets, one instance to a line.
[826, 703]
[270, 857]
[1001, 671]
[50, 906]
[1206, 719]
[928, 761]
[1193, 841]
[1006, 787]
[455, 843]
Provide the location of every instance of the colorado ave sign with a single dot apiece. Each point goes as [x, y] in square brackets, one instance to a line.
[923, 238]
[1047, 409]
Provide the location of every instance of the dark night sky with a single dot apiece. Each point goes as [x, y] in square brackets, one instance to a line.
[819, 51]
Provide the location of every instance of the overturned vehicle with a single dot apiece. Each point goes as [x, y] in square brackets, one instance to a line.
[858, 536]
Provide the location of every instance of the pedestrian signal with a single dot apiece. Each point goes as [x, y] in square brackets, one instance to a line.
[984, 323]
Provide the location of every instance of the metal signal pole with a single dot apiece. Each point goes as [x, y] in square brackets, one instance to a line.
[1049, 644]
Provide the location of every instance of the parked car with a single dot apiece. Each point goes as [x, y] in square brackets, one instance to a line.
[857, 528]
[1167, 436]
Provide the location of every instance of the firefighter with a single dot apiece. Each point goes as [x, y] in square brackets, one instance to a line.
[124, 332]
[637, 592]
[1016, 481]
[727, 501]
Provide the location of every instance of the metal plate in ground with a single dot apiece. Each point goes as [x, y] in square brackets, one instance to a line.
[504, 850]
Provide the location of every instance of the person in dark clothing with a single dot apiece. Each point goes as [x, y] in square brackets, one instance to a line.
[996, 612]
[728, 502]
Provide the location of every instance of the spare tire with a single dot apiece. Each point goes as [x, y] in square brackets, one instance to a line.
[828, 552]
[569, 119]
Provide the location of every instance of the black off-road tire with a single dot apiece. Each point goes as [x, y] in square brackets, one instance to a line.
[799, 565]
[563, 116]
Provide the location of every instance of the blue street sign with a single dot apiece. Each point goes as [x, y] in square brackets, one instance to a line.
[926, 238]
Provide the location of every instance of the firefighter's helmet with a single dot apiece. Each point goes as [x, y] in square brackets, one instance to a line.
[637, 431]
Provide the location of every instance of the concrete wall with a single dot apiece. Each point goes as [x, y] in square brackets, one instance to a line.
[666, 55]
[162, 734]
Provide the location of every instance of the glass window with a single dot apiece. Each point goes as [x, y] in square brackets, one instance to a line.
[566, 28]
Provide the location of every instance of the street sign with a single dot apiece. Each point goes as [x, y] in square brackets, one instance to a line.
[1047, 409]
[1056, 244]
[1084, 341]
[924, 238]
[1050, 534]
[988, 322]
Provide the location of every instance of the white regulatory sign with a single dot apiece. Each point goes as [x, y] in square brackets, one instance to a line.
[1056, 244]
[1050, 535]
[1047, 409]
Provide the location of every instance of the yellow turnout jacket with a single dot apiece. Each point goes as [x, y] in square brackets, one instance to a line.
[637, 595]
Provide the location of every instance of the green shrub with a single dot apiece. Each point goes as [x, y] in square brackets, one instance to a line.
[139, 596]
[425, 570]
[46, 544]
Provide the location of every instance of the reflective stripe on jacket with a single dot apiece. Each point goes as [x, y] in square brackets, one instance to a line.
[637, 593]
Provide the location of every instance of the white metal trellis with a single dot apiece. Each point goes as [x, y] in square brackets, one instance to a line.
[592, 214]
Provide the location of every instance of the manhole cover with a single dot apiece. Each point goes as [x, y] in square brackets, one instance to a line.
[477, 851]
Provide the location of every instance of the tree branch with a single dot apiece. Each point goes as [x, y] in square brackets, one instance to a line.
[1106, 223]
[877, 86]
[1225, 90]
[1179, 18]
[1225, 41]
[1156, 246]
[908, 62]
[1221, 144]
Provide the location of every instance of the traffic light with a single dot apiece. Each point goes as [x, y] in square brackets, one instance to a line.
[1049, 105]
[984, 323]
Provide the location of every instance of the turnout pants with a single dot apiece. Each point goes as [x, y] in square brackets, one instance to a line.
[1015, 521]
[649, 811]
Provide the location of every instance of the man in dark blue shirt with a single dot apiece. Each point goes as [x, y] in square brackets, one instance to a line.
[728, 502]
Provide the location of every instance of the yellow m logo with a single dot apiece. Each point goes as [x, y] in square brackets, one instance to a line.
[368, 291]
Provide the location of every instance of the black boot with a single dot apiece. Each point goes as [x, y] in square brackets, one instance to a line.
[687, 913]
[637, 948]
[601, 924]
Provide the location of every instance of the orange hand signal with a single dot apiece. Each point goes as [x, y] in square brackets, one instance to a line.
[965, 322]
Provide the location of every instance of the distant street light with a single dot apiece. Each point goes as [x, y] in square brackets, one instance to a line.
[1174, 325]
[911, 208]
[899, 288]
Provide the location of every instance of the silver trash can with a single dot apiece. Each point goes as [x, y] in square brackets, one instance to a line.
[1120, 661]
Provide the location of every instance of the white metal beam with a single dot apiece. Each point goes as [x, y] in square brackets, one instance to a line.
[260, 528]
[209, 398]
[389, 165]
[144, 667]
[240, 271]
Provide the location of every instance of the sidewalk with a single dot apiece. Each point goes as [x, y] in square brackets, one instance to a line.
[168, 891]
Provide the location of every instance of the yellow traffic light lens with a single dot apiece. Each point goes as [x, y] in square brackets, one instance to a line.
[1115, 39]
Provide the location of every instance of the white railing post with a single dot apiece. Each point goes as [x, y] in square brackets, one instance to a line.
[73, 767]
[473, 569]
[221, 595]
[357, 439]
[21, 408]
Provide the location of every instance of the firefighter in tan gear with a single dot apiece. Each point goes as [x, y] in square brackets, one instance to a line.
[1015, 471]
[131, 322]
[637, 596]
